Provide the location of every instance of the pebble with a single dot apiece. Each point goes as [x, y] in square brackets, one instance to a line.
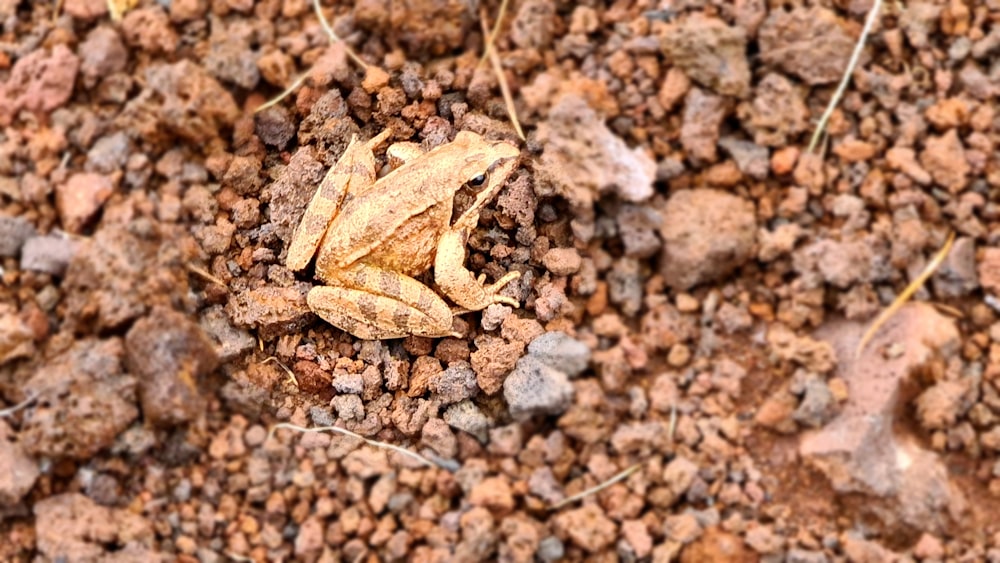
[706, 235]
[80, 197]
[50, 254]
[560, 351]
[14, 231]
[536, 388]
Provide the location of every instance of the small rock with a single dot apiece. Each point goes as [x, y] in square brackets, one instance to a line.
[818, 404]
[87, 10]
[751, 158]
[811, 43]
[989, 270]
[467, 417]
[711, 53]
[638, 226]
[39, 82]
[678, 476]
[49, 254]
[706, 235]
[587, 527]
[18, 471]
[944, 159]
[904, 159]
[717, 545]
[493, 493]
[776, 113]
[560, 351]
[940, 406]
[929, 547]
[169, 354]
[562, 261]
[348, 407]
[117, 275]
[700, 129]
[84, 401]
[438, 436]
[492, 361]
[763, 540]
[80, 197]
[103, 52]
[109, 153]
[14, 231]
[536, 388]
[195, 106]
[230, 342]
[349, 383]
[682, 528]
[71, 527]
[583, 159]
[957, 276]
[456, 383]
[17, 340]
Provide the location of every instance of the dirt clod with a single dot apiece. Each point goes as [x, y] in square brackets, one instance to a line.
[706, 235]
[169, 355]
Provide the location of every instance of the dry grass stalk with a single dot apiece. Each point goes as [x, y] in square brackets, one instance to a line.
[400, 450]
[11, 410]
[620, 476]
[291, 375]
[905, 296]
[491, 53]
[846, 79]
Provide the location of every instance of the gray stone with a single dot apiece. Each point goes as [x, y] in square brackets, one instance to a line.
[536, 388]
[561, 351]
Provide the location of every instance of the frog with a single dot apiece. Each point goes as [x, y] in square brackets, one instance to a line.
[373, 237]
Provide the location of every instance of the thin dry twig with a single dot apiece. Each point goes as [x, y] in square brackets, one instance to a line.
[620, 476]
[491, 35]
[291, 375]
[334, 38]
[276, 100]
[204, 274]
[398, 449]
[846, 79]
[498, 70]
[905, 296]
[11, 410]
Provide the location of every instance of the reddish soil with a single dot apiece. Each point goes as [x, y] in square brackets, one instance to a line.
[694, 285]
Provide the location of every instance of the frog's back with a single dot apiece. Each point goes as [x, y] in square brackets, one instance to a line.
[385, 228]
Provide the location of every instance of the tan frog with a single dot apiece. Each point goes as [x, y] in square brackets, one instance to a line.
[371, 237]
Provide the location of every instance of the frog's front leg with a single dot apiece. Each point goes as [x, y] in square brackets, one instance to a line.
[353, 172]
[459, 284]
[372, 303]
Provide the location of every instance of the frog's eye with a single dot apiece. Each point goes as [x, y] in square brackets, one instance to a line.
[478, 181]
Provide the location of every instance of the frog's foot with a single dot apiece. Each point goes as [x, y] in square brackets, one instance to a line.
[493, 289]
[375, 304]
[482, 295]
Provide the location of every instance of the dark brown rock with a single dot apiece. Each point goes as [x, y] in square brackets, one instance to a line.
[169, 354]
[706, 235]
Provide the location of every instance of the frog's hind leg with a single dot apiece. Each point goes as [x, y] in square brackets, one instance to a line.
[353, 172]
[373, 304]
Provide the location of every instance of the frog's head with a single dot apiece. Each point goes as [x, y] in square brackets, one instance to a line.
[485, 166]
